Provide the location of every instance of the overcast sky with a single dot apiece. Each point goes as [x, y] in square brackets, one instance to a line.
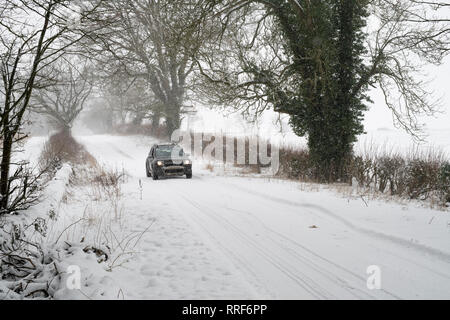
[380, 116]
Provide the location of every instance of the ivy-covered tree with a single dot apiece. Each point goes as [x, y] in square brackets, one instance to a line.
[317, 49]
[325, 105]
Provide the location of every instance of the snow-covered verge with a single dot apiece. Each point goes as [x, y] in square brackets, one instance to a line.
[41, 250]
[29, 266]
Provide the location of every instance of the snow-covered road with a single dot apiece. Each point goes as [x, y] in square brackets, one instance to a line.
[239, 237]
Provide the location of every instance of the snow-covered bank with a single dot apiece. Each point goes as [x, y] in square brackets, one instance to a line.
[23, 239]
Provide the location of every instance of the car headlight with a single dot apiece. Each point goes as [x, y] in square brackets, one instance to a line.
[160, 163]
[187, 162]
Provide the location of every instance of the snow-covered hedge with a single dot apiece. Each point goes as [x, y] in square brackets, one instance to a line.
[423, 176]
[28, 269]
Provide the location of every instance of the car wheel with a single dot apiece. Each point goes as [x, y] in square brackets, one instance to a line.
[189, 176]
[155, 176]
[149, 174]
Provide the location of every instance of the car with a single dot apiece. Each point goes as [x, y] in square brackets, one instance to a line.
[168, 160]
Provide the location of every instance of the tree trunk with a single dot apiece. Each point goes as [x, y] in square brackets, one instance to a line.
[137, 121]
[4, 175]
[331, 139]
[329, 151]
[63, 126]
[109, 121]
[156, 117]
[173, 118]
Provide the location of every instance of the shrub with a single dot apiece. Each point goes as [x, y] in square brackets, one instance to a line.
[29, 270]
[417, 175]
[363, 170]
[390, 172]
[107, 182]
[62, 147]
[295, 164]
[444, 182]
[227, 144]
[421, 178]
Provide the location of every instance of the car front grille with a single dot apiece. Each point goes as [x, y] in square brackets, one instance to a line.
[174, 170]
[170, 163]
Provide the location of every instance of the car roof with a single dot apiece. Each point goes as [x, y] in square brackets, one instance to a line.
[165, 145]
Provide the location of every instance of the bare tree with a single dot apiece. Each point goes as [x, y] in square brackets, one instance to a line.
[33, 34]
[409, 35]
[131, 97]
[155, 40]
[64, 100]
[244, 60]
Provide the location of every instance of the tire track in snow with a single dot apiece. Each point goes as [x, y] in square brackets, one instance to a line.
[120, 152]
[283, 239]
[207, 234]
[308, 285]
[290, 268]
[375, 234]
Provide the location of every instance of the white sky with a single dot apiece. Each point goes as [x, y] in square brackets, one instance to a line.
[379, 115]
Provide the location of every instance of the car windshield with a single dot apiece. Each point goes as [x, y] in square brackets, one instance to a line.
[169, 151]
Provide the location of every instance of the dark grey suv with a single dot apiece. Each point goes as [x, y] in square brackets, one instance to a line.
[166, 160]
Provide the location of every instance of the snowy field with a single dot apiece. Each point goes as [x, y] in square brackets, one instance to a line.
[219, 236]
